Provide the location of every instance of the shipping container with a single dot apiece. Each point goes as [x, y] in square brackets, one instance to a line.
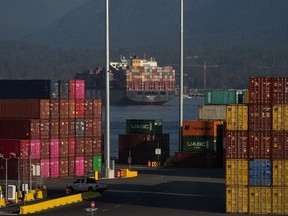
[88, 127]
[54, 167]
[27, 165]
[195, 160]
[225, 97]
[97, 163]
[72, 89]
[279, 200]
[45, 148]
[71, 128]
[97, 145]
[20, 147]
[280, 117]
[260, 145]
[79, 146]
[237, 172]
[260, 117]
[35, 146]
[200, 128]
[260, 90]
[80, 108]
[54, 89]
[199, 144]
[64, 128]
[97, 108]
[212, 112]
[19, 129]
[88, 164]
[279, 173]
[237, 144]
[64, 147]
[71, 149]
[143, 126]
[71, 168]
[54, 108]
[260, 200]
[64, 167]
[54, 148]
[79, 127]
[79, 166]
[71, 107]
[260, 172]
[237, 199]
[279, 145]
[45, 168]
[88, 108]
[44, 128]
[54, 128]
[88, 146]
[79, 89]
[64, 89]
[24, 108]
[97, 127]
[237, 117]
[64, 108]
[24, 89]
[279, 90]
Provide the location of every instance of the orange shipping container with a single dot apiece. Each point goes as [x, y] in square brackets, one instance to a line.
[200, 128]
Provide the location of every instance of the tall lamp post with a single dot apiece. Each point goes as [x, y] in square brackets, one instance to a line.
[6, 175]
[18, 169]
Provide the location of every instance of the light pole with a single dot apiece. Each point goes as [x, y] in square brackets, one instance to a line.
[18, 158]
[6, 175]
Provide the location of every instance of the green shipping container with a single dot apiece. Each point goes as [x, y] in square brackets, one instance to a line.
[97, 163]
[225, 97]
[199, 144]
[143, 126]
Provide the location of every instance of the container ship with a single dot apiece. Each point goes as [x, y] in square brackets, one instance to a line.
[133, 81]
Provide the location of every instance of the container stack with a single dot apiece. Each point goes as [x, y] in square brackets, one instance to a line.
[201, 144]
[51, 127]
[256, 159]
[143, 142]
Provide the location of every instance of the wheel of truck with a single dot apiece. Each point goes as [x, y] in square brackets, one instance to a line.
[90, 189]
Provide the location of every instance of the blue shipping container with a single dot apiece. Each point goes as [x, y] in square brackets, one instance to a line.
[260, 173]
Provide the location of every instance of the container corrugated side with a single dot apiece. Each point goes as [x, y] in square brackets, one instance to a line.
[260, 172]
[237, 144]
[260, 145]
[54, 167]
[237, 172]
[79, 166]
[279, 145]
[212, 112]
[280, 117]
[200, 128]
[260, 117]
[260, 200]
[279, 173]
[279, 90]
[260, 90]
[64, 89]
[199, 144]
[143, 126]
[279, 200]
[222, 97]
[97, 163]
[64, 167]
[237, 117]
[237, 199]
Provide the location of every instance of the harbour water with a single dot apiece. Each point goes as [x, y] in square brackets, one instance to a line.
[169, 113]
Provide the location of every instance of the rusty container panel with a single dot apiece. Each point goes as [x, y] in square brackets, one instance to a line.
[260, 117]
[260, 200]
[54, 128]
[200, 128]
[237, 172]
[79, 146]
[64, 167]
[88, 108]
[80, 108]
[54, 108]
[237, 144]
[71, 107]
[260, 145]
[279, 173]
[88, 148]
[97, 145]
[64, 128]
[237, 199]
[279, 90]
[64, 108]
[237, 117]
[279, 145]
[97, 108]
[71, 128]
[71, 145]
[44, 128]
[97, 127]
[260, 90]
[88, 164]
[64, 147]
[88, 127]
[280, 117]
[71, 168]
[45, 148]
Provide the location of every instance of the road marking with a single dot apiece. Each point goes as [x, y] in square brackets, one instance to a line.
[104, 210]
[117, 206]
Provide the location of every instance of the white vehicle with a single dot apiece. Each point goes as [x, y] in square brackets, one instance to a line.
[87, 184]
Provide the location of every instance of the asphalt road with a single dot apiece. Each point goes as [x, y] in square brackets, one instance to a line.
[156, 191]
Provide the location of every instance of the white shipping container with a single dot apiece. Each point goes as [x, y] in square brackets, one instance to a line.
[212, 112]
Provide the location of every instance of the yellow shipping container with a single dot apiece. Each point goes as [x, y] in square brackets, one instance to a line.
[279, 173]
[280, 117]
[237, 199]
[237, 117]
[260, 200]
[279, 200]
[237, 172]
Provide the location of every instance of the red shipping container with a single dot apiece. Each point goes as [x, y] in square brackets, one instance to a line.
[64, 147]
[71, 147]
[20, 147]
[97, 108]
[280, 90]
[24, 108]
[54, 148]
[71, 168]
[79, 146]
[54, 108]
[64, 167]
[88, 164]
[88, 127]
[72, 89]
[72, 128]
[79, 166]
[26, 167]
[237, 144]
[260, 145]
[97, 145]
[54, 167]
[45, 148]
[279, 145]
[64, 128]
[88, 148]
[71, 107]
[260, 90]
[54, 128]
[35, 149]
[64, 108]
[44, 128]
[88, 108]
[80, 89]
[45, 168]
[97, 127]
[80, 108]
[19, 129]
[260, 117]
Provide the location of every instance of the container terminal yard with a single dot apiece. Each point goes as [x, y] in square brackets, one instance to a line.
[232, 159]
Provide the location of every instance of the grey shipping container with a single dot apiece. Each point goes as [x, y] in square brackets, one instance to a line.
[212, 112]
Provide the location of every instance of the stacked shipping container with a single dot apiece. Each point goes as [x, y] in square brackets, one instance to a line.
[141, 141]
[54, 125]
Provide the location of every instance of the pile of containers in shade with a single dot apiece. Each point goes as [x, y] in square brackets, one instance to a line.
[143, 142]
[257, 150]
[51, 127]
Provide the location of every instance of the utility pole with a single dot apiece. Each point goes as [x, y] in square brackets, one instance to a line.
[181, 75]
